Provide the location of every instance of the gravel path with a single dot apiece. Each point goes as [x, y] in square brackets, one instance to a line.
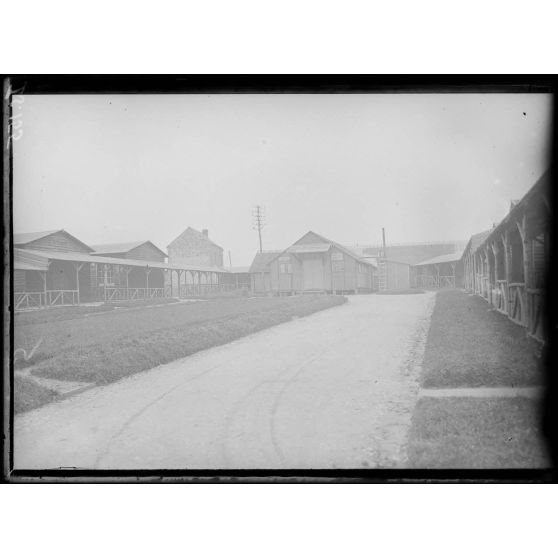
[332, 390]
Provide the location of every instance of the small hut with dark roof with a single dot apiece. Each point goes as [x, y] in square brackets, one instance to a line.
[259, 271]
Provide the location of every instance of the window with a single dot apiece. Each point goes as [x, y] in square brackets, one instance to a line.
[337, 262]
[109, 275]
[285, 268]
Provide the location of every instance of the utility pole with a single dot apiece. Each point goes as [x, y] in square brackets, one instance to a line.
[230, 260]
[382, 265]
[258, 221]
[384, 243]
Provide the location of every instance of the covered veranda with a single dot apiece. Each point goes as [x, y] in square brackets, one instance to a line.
[47, 279]
[508, 268]
[440, 272]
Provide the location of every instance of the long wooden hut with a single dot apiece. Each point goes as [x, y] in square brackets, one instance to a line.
[507, 265]
[54, 268]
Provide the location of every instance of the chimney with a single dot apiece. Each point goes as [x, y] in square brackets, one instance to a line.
[205, 233]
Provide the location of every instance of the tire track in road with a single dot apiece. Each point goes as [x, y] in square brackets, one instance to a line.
[105, 451]
[277, 402]
[241, 404]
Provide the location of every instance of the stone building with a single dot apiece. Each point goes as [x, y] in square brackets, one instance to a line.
[195, 248]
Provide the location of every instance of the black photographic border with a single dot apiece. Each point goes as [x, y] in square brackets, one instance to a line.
[268, 84]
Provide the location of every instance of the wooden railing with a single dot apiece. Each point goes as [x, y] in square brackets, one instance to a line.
[62, 298]
[115, 294]
[536, 309]
[435, 281]
[485, 287]
[46, 299]
[516, 310]
[500, 296]
[199, 290]
[29, 300]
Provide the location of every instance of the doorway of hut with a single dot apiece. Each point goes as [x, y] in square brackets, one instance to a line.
[313, 274]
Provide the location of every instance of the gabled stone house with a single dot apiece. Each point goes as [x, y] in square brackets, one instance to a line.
[195, 248]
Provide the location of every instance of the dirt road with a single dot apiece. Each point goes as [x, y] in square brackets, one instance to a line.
[332, 390]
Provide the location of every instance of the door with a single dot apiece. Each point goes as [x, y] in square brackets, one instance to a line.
[313, 274]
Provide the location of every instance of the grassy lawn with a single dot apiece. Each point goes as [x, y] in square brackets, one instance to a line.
[48, 315]
[105, 347]
[476, 433]
[470, 346]
[29, 394]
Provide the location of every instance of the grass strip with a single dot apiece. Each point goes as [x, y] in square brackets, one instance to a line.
[469, 345]
[106, 362]
[476, 433]
[29, 394]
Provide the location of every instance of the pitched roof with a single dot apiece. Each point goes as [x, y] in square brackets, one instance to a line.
[322, 246]
[534, 195]
[412, 253]
[456, 256]
[192, 232]
[262, 259]
[25, 238]
[479, 238]
[121, 247]
[21, 239]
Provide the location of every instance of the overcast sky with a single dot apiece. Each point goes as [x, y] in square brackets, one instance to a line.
[110, 168]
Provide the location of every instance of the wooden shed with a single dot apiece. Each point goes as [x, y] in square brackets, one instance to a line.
[260, 281]
[316, 264]
[440, 272]
[34, 272]
[53, 268]
[393, 275]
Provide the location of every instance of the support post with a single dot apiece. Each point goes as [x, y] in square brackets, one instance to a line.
[43, 277]
[488, 272]
[105, 279]
[147, 272]
[78, 269]
[527, 268]
[127, 273]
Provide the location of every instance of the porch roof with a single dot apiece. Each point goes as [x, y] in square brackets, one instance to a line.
[25, 261]
[445, 258]
[89, 258]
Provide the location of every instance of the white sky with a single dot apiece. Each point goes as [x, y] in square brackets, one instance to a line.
[115, 168]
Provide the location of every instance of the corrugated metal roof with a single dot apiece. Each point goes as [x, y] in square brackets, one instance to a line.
[122, 247]
[456, 256]
[91, 258]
